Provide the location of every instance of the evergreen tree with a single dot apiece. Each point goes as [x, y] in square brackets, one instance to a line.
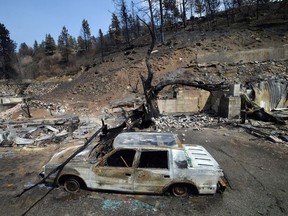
[86, 35]
[38, 51]
[115, 30]
[7, 53]
[73, 43]
[125, 21]
[80, 44]
[25, 50]
[35, 45]
[102, 42]
[64, 45]
[50, 46]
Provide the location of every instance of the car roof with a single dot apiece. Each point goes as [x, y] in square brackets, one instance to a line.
[146, 139]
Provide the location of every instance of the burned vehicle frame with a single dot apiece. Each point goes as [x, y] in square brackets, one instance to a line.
[141, 162]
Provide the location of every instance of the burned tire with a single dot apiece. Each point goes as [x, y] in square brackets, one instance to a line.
[72, 185]
[179, 190]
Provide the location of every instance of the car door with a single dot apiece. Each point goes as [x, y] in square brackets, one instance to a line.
[115, 171]
[152, 173]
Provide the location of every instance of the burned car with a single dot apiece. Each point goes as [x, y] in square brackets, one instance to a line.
[141, 162]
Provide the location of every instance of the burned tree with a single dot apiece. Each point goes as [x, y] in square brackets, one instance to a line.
[151, 92]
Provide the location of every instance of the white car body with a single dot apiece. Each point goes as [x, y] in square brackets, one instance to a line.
[143, 162]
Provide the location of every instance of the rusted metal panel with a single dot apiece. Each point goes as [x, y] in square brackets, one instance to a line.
[151, 180]
[110, 178]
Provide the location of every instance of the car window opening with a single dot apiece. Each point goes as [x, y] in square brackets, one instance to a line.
[121, 158]
[154, 159]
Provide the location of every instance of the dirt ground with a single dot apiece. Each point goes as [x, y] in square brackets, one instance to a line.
[256, 170]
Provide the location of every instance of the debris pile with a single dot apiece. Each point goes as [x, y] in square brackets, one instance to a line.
[8, 89]
[37, 133]
[57, 107]
[267, 130]
[195, 122]
[40, 88]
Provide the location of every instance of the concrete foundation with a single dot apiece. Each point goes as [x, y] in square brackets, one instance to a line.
[230, 107]
[192, 100]
[187, 101]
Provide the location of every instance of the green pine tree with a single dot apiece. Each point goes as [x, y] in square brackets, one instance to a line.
[7, 53]
[50, 46]
[64, 44]
[115, 30]
[86, 35]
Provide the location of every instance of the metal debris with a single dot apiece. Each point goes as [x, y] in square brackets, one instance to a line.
[37, 132]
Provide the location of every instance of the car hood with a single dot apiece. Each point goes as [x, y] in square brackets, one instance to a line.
[62, 156]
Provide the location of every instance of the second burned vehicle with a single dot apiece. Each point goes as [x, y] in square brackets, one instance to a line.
[141, 162]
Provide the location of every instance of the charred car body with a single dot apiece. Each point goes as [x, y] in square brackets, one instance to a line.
[141, 162]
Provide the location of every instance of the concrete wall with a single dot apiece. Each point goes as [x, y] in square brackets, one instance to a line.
[7, 103]
[230, 107]
[187, 101]
[7, 100]
[264, 54]
[227, 104]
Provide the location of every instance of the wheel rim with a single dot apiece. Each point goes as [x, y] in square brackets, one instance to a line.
[180, 190]
[72, 185]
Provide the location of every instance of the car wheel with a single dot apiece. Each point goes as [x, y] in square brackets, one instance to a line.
[72, 185]
[180, 190]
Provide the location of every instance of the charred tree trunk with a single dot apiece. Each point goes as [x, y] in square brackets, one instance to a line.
[184, 13]
[161, 22]
[152, 110]
[26, 108]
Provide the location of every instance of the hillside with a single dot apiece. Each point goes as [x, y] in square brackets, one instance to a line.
[95, 88]
[187, 54]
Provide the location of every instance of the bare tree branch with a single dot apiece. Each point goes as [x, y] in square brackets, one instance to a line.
[148, 81]
[207, 87]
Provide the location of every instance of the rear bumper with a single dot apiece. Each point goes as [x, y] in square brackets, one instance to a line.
[221, 185]
[41, 174]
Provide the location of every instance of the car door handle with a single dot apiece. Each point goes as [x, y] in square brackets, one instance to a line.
[127, 174]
